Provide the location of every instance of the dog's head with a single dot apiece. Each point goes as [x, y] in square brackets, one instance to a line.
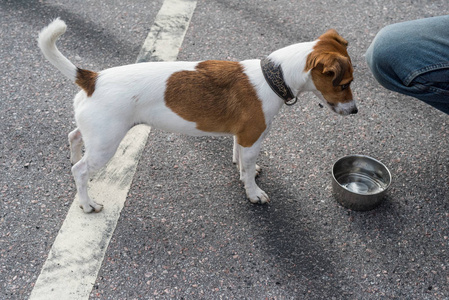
[331, 72]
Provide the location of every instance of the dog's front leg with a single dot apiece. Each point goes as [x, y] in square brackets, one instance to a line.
[236, 159]
[248, 167]
[235, 153]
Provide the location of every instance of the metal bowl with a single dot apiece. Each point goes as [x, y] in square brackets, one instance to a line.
[360, 182]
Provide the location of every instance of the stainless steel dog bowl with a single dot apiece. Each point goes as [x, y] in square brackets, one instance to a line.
[360, 182]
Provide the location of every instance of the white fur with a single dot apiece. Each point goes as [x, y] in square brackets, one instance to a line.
[344, 108]
[292, 60]
[47, 43]
[134, 94]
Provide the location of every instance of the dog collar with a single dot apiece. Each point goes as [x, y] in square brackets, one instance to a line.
[275, 78]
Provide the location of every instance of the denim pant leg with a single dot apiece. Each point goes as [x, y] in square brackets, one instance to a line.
[412, 58]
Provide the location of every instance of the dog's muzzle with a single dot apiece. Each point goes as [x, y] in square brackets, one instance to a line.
[348, 108]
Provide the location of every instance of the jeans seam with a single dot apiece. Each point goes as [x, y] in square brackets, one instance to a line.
[421, 71]
[425, 88]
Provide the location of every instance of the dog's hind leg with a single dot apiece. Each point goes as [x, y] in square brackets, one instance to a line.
[76, 145]
[81, 174]
[100, 147]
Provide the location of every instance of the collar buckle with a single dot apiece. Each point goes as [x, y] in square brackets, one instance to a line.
[291, 102]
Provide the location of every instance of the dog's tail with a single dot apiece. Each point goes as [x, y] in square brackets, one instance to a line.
[47, 43]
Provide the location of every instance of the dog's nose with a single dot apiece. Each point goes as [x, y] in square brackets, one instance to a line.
[354, 111]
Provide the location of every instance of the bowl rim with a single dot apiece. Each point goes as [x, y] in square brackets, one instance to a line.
[369, 158]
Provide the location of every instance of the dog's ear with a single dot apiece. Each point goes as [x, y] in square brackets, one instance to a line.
[333, 34]
[337, 68]
[329, 64]
[330, 57]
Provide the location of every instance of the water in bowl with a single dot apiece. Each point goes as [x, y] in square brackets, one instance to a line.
[361, 183]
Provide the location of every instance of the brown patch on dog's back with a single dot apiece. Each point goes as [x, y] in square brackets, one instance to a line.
[86, 80]
[218, 97]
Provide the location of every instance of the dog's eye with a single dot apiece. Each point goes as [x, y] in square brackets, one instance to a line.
[344, 86]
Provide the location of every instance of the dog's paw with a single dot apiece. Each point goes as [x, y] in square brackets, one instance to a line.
[258, 196]
[91, 207]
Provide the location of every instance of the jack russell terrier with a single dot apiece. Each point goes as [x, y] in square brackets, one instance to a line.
[197, 98]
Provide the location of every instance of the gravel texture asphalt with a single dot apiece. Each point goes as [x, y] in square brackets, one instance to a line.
[187, 230]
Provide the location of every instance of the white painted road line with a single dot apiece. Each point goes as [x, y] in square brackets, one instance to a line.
[75, 258]
[168, 31]
[77, 253]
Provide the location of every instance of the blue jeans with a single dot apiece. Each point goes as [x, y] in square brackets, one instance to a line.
[412, 58]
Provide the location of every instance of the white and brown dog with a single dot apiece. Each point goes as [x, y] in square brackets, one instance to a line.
[197, 98]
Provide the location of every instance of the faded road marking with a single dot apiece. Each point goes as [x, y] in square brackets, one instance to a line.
[75, 258]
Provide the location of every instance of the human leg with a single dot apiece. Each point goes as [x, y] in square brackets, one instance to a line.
[412, 58]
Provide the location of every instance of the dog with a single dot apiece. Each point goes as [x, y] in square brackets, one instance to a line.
[211, 97]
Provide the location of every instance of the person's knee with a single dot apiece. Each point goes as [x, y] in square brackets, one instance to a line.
[382, 56]
[379, 53]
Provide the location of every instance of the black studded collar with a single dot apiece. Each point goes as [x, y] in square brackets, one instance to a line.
[275, 78]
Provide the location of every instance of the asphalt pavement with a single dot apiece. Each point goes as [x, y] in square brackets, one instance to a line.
[187, 230]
